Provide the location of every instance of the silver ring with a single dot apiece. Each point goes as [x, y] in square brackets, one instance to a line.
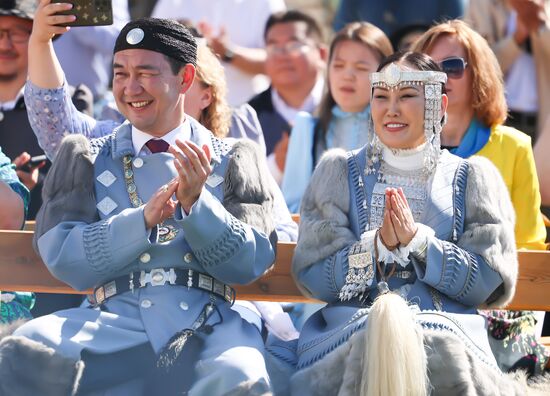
[164, 188]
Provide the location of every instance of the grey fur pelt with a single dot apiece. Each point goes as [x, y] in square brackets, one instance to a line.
[29, 368]
[250, 388]
[248, 194]
[453, 370]
[490, 220]
[324, 225]
[68, 193]
[8, 328]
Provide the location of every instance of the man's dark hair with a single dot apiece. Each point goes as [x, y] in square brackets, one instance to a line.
[313, 30]
[175, 65]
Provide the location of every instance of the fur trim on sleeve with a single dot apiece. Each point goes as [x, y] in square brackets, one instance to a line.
[248, 194]
[324, 224]
[68, 193]
[489, 226]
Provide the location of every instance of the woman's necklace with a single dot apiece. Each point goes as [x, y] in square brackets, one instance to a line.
[166, 232]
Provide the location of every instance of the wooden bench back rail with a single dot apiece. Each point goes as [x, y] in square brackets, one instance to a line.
[21, 269]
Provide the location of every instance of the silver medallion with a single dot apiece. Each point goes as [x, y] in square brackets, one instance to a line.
[135, 36]
[166, 232]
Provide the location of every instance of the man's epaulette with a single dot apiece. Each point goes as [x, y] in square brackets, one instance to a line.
[97, 145]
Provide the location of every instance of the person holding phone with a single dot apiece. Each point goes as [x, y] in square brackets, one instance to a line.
[158, 218]
[16, 136]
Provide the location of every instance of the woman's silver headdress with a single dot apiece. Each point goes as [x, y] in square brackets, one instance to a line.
[394, 77]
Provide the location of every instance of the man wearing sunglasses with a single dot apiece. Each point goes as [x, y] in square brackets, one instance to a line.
[518, 32]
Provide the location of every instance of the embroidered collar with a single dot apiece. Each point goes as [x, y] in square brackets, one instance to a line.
[404, 159]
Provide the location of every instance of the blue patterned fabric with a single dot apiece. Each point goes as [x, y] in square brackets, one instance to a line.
[450, 279]
[88, 255]
[8, 176]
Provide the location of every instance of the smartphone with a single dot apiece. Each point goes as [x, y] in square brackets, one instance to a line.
[33, 163]
[89, 12]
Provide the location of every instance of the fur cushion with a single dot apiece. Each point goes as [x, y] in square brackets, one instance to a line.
[453, 370]
[30, 368]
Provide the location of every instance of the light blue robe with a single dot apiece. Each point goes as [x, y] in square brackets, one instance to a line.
[210, 240]
[470, 261]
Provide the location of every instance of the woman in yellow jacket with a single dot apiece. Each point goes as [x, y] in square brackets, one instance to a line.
[476, 111]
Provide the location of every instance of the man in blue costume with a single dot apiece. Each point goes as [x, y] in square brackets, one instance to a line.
[160, 267]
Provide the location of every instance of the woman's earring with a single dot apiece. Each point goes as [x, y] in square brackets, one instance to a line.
[444, 120]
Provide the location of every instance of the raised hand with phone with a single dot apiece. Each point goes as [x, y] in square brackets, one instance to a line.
[27, 168]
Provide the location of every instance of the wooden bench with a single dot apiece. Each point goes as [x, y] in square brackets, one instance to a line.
[21, 269]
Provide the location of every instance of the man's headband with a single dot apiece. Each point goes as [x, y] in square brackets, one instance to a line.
[165, 36]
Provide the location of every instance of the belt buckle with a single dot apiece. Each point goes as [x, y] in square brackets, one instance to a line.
[157, 277]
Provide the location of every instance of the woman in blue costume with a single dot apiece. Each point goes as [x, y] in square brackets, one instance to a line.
[355, 52]
[404, 241]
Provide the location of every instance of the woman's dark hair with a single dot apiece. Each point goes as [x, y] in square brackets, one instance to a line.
[420, 61]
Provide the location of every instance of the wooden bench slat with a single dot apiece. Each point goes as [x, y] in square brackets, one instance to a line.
[533, 286]
[22, 270]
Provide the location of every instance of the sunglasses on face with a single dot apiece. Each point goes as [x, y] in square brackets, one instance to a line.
[453, 67]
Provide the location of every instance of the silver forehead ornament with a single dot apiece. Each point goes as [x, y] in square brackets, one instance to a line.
[393, 76]
[135, 36]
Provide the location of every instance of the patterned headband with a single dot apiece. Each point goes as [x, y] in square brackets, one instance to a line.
[394, 76]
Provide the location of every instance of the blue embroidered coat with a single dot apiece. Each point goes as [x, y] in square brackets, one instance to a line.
[469, 258]
[210, 240]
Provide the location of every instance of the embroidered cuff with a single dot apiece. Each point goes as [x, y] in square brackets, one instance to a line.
[225, 246]
[417, 246]
[96, 246]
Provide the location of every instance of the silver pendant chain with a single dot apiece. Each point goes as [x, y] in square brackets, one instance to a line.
[166, 232]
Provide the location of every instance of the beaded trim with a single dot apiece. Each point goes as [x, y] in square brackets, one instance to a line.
[413, 184]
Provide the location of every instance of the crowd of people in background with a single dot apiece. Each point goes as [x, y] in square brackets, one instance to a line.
[295, 78]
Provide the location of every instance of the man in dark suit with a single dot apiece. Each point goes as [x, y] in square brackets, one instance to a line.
[295, 63]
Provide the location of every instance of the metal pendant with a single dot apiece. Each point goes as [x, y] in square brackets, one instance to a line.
[383, 287]
[166, 232]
